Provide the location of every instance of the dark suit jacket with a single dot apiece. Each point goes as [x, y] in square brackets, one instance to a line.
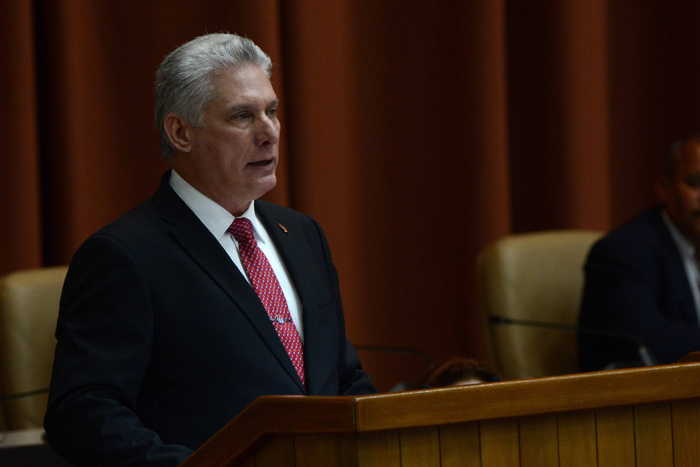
[161, 340]
[636, 286]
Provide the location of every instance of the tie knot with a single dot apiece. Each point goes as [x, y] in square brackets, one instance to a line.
[242, 230]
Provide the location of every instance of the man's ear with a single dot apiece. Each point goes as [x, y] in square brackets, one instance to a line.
[179, 132]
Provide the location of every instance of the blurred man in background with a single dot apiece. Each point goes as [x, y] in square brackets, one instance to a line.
[641, 296]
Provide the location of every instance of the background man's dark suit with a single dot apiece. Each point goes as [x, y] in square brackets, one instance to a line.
[636, 286]
[161, 340]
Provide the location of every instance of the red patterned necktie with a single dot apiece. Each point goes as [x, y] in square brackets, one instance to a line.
[265, 284]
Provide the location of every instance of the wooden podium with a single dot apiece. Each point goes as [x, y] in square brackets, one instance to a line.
[632, 417]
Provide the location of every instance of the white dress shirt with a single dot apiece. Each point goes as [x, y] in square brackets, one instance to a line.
[690, 262]
[217, 220]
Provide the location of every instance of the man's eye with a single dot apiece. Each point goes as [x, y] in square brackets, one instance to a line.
[272, 111]
[241, 116]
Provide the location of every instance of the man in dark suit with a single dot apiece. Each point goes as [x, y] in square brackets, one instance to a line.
[183, 311]
[641, 280]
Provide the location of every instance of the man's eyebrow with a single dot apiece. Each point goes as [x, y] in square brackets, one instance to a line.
[239, 107]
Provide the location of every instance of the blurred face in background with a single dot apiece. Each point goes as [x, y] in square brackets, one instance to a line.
[680, 191]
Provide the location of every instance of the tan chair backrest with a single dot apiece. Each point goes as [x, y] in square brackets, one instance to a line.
[534, 277]
[28, 313]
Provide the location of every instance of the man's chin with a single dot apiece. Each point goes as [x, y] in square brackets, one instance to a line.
[265, 185]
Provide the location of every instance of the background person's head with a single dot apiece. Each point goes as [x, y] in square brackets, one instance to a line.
[460, 371]
[679, 187]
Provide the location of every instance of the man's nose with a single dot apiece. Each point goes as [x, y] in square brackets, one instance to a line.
[267, 131]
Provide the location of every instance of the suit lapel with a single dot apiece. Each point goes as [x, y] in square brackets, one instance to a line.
[678, 283]
[295, 254]
[188, 231]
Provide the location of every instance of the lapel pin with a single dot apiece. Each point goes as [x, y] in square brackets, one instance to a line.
[283, 228]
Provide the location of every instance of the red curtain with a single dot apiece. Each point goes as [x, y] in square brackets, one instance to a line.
[414, 133]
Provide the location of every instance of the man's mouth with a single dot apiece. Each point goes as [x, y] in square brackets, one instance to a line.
[261, 163]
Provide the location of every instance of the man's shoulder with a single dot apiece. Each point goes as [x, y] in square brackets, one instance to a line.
[149, 218]
[272, 209]
[139, 227]
[647, 224]
[289, 220]
[645, 234]
[138, 219]
[275, 213]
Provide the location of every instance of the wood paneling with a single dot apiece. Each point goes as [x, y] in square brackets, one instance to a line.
[499, 443]
[653, 434]
[577, 439]
[378, 449]
[276, 451]
[271, 415]
[615, 434]
[627, 422]
[322, 450]
[460, 445]
[539, 445]
[686, 432]
[646, 435]
[420, 447]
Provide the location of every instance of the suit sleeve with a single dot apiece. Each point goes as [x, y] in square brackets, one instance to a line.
[622, 296]
[353, 379]
[104, 336]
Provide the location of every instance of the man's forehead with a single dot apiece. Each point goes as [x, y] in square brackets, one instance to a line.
[244, 84]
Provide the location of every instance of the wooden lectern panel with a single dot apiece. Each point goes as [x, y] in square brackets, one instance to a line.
[615, 437]
[499, 443]
[420, 447]
[623, 418]
[577, 439]
[275, 451]
[325, 449]
[658, 435]
[539, 446]
[460, 445]
[686, 432]
[654, 440]
[379, 449]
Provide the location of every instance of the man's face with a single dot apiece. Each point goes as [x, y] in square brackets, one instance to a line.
[681, 193]
[234, 153]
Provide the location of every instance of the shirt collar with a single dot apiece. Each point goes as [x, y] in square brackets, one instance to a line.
[214, 216]
[684, 246]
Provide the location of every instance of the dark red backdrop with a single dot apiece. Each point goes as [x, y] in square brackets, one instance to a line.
[415, 134]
